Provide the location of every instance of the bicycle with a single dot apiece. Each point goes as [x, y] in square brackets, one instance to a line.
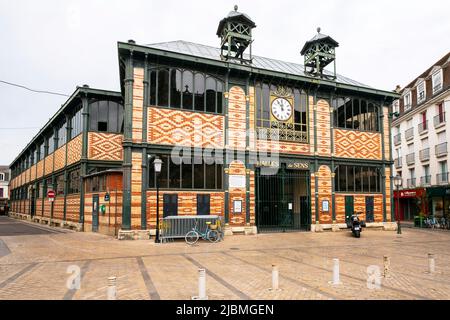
[211, 235]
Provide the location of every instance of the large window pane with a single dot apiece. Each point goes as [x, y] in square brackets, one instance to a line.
[102, 122]
[113, 117]
[210, 176]
[188, 85]
[153, 88]
[163, 176]
[210, 95]
[163, 88]
[187, 176]
[350, 179]
[219, 96]
[199, 176]
[175, 90]
[174, 175]
[199, 92]
[219, 173]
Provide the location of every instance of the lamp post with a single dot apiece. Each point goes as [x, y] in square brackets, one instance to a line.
[157, 166]
[398, 182]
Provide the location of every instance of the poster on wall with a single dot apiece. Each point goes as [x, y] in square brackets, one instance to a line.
[325, 206]
[237, 206]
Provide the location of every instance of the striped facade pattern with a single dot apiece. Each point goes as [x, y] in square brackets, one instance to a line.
[387, 138]
[313, 198]
[325, 191]
[73, 207]
[138, 104]
[39, 204]
[323, 128]
[74, 150]
[357, 144]
[187, 204]
[47, 208]
[252, 115]
[40, 170]
[312, 106]
[60, 158]
[58, 208]
[388, 197]
[49, 164]
[136, 189]
[184, 128]
[237, 114]
[252, 197]
[33, 173]
[105, 146]
[237, 168]
[111, 218]
[359, 202]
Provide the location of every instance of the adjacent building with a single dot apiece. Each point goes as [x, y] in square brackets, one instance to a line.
[420, 138]
[4, 182]
[268, 145]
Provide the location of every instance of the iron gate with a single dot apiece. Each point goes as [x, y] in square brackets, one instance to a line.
[283, 201]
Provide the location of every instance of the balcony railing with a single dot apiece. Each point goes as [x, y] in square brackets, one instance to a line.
[397, 139]
[411, 183]
[442, 178]
[409, 134]
[424, 154]
[398, 162]
[410, 158]
[423, 127]
[439, 119]
[441, 149]
[425, 180]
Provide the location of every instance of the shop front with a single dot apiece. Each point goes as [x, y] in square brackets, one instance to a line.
[411, 202]
[439, 200]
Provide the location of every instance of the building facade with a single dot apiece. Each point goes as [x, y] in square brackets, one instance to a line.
[4, 182]
[266, 144]
[420, 135]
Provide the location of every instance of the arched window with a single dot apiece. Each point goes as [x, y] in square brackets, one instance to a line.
[188, 89]
[199, 87]
[210, 94]
[175, 88]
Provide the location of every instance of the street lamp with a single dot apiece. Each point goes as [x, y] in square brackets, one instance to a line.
[157, 163]
[398, 183]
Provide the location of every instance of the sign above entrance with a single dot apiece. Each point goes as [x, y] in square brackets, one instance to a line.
[236, 181]
[297, 165]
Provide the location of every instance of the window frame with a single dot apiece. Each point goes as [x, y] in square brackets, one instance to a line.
[433, 85]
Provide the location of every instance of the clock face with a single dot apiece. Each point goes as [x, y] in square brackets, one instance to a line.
[281, 109]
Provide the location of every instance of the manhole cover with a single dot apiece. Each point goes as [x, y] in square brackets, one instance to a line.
[234, 248]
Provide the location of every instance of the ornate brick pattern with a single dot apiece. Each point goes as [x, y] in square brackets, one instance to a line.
[235, 194]
[40, 169]
[39, 207]
[324, 183]
[49, 164]
[313, 198]
[252, 115]
[33, 173]
[105, 146]
[73, 207]
[138, 104]
[237, 119]
[187, 204]
[323, 128]
[311, 124]
[359, 203]
[389, 195]
[175, 127]
[60, 158]
[357, 145]
[136, 189]
[387, 133]
[74, 150]
[47, 208]
[58, 208]
[113, 212]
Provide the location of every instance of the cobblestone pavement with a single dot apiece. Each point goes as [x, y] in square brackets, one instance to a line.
[36, 265]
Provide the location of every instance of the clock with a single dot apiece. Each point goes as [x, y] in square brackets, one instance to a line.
[281, 109]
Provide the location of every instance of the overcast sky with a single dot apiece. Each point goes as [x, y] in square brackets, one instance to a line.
[57, 45]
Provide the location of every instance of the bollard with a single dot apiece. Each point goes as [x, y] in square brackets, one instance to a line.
[431, 263]
[386, 263]
[111, 291]
[201, 285]
[275, 277]
[336, 272]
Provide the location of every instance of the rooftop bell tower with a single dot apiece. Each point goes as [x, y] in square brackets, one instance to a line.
[235, 33]
[319, 52]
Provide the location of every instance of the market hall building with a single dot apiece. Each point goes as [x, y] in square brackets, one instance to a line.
[266, 144]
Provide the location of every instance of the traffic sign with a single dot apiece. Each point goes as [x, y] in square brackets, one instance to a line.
[50, 194]
[107, 198]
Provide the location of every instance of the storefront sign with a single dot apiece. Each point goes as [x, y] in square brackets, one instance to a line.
[237, 206]
[298, 165]
[237, 181]
[267, 163]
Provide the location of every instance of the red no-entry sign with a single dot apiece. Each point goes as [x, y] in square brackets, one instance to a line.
[50, 194]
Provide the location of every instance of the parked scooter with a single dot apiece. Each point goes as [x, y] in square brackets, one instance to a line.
[355, 224]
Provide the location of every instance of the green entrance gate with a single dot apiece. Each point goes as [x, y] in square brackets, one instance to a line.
[283, 201]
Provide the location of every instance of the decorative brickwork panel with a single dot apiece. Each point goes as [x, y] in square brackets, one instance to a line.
[312, 106]
[49, 164]
[252, 198]
[313, 198]
[58, 208]
[237, 114]
[33, 173]
[138, 104]
[359, 203]
[187, 204]
[113, 215]
[73, 207]
[47, 208]
[252, 115]
[389, 195]
[236, 169]
[175, 127]
[387, 134]
[40, 169]
[60, 158]
[136, 189]
[105, 146]
[283, 147]
[323, 128]
[325, 190]
[74, 150]
[357, 144]
[38, 211]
